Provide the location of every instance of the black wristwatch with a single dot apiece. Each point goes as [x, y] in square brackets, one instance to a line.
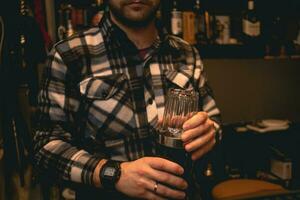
[110, 173]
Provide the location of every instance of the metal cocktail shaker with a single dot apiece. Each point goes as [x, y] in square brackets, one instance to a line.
[180, 106]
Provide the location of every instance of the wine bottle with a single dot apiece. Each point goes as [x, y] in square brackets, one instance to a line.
[70, 30]
[200, 26]
[23, 39]
[176, 20]
[61, 30]
[251, 24]
[159, 13]
[276, 37]
[188, 32]
[98, 12]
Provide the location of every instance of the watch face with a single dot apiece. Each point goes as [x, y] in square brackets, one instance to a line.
[109, 171]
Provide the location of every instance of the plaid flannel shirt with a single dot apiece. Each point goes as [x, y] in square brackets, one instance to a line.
[99, 99]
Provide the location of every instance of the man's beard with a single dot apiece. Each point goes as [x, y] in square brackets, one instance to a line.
[145, 21]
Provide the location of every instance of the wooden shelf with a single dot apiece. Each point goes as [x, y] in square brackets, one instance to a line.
[230, 51]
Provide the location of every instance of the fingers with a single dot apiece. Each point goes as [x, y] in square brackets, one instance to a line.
[146, 190]
[195, 121]
[163, 171]
[137, 179]
[200, 141]
[165, 165]
[165, 191]
[197, 131]
[153, 196]
[203, 150]
[166, 178]
[160, 192]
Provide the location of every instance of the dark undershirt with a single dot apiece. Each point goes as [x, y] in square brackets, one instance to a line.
[143, 53]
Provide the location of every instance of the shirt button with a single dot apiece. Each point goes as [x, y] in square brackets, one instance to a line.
[150, 101]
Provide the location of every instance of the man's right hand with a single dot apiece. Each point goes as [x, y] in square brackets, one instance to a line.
[138, 179]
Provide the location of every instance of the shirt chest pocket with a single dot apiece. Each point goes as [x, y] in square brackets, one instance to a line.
[108, 105]
[177, 79]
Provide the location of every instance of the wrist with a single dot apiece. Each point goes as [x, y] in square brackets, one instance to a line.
[110, 174]
[119, 182]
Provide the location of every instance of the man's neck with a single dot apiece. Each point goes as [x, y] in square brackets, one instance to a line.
[142, 37]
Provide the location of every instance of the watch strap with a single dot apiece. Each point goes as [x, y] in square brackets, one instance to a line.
[109, 180]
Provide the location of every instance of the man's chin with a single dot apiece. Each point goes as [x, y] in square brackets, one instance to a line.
[135, 23]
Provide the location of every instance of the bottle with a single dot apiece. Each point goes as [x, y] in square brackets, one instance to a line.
[98, 12]
[61, 30]
[23, 39]
[200, 25]
[251, 24]
[223, 29]
[274, 35]
[159, 13]
[70, 30]
[176, 20]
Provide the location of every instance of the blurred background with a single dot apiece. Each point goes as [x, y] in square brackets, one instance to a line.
[251, 53]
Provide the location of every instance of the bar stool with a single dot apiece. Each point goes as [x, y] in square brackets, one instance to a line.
[245, 188]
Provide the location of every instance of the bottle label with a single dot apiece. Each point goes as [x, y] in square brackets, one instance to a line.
[223, 28]
[250, 28]
[176, 23]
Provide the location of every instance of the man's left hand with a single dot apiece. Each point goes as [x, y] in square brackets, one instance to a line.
[199, 135]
